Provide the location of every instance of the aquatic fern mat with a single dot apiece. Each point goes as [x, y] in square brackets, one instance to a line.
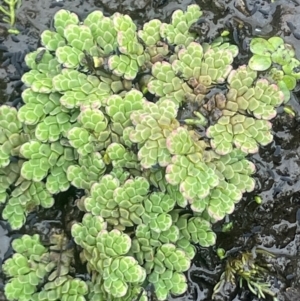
[155, 129]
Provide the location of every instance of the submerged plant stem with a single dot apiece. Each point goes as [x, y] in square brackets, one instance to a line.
[11, 13]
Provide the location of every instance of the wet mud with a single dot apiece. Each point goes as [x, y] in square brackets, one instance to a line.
[274, 225]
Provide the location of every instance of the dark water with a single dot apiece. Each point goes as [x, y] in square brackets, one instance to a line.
[275, 224]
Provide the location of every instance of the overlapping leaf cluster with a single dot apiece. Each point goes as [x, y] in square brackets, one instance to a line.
[278, 60]
[105, 111]
[38, 273]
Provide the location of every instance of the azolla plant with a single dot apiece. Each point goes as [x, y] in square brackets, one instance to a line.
[108, 111]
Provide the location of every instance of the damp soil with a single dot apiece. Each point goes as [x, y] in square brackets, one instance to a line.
[273, 225]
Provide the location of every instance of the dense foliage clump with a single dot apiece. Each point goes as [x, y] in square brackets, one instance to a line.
[107, 110]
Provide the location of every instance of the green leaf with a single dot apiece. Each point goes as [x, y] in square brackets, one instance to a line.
[286, 92]
[261, 47]
[259, 62]
[290, 82]
[276, 42]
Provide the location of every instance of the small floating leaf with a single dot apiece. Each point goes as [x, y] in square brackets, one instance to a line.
[276, 42]
[260, 62]
[261, 46]
[290, 82]
[286, 92]
[280, 58]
